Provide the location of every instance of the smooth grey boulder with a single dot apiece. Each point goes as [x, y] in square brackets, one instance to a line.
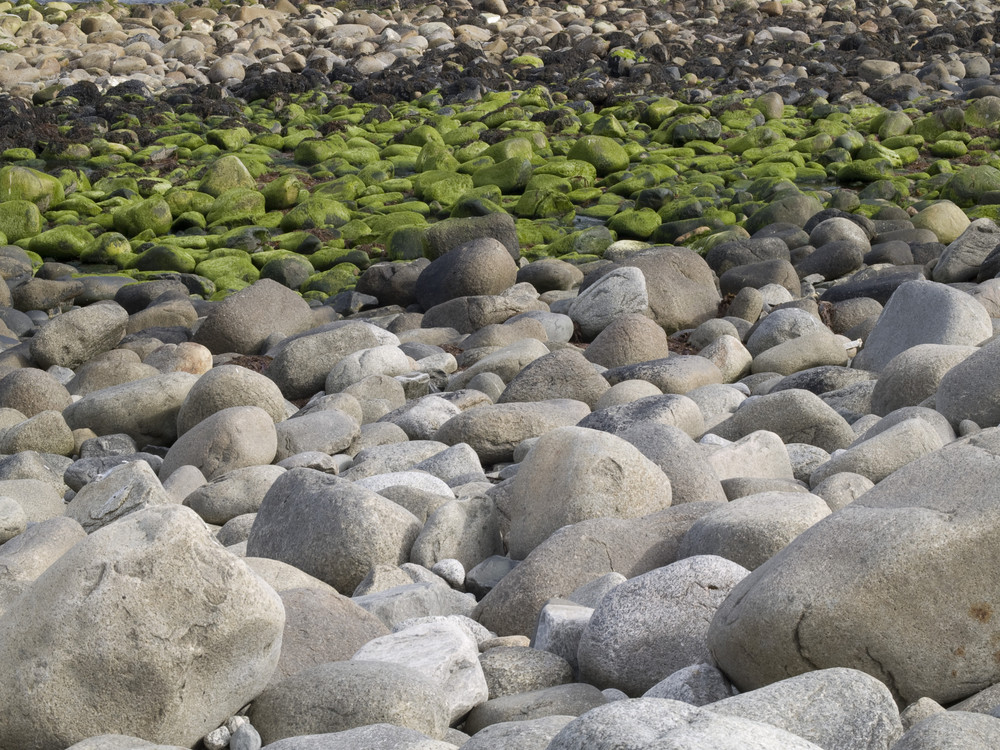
[46, 432]
[377, 360]
[30, 553]
[618, 293]
[327, 431]
[913, 376]
[72, 338]
[692, 478]
[698, 684]
[882, 454]
[198, 629]
[224, 387]
[654, 624]
[391, 457]
[229, 439]
[506, 362]
[118, 742]
[816, 603]
[494, 431]
[517, 669]
[321, 626]
[330, 528]
[781, 325]
[572, 474]
[681, 287]
[795, 415]
[561, 700]
[628, 340]
[526, 734]
[838, 709]
[467, 530]
[124, 490]
[968, 390]
[577, 554]
[656, 722]
[564, 373]
[233, 494]
[560, 627]
[842, 489]
[301, 364]
[145, 410]
[481, 266]
[243, 321]
[952, 730]
[379, 736]
[421, 418]
[923, 312]
[678, 373]
[669, 409]
[759, 455]
[31, 391]
[963, 257]
[441, 650]
[802, 353]
[469, 314]
[752, 529]
[342, 695]
[422, 598]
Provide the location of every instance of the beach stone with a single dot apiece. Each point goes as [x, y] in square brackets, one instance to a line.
[27, 555]
[422, 418]
[833, 260]
[776, 272]
[761, 454]
[838, 708]
[670, 607]
[802, 353]
[380, 360]
[442, 650]
[466, 530]
[383, 459]
[168, 555]
[518, 669]
[641, 722]
[729, 355]
[381, 736]
[31, 391]
[667, 409]
[13, 520]
[47, 432]
[444, 236]
[838, 490]
[559, 629]
[914, 375]
[944, 218]
[885, 531]
[494, 431]
[742, 252]
[184, 357]
[480, 267]
[40, 500]
[229, 439]
[330, 528]
[457, 463]
[70, 339]
[341, 695]
[751, 529]
[564, 373]
[698, 684]
[965, 391]
[681, 286]
[427, 596]
[577, 554]
[392, 283]
[225, 387]
[796, 415]
[963, 257]
[626, 392]
[301, 366]
[124, 490]
[232, 494]
[620, 292]
[561, 700]
[779, 326]
[145, 410]
[692, 478]
[951, 730]
[119, 742]
[582, 474]
[627, 340]
[674, 374]
[328, 431]
[244, 320]
[526, 734]
[923, 312]
[882, 454]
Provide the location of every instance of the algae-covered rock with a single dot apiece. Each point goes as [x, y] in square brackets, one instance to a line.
[335, 280]
[26, 184]
[316, 212]
[634, 225]
[965, 187]
[152, 214]
[237, 207]
[604, 153]
[282, 192]
[164, 258]
[510, 175]
[225, 174]
[61, 243]
[19, 219]
[108, 247]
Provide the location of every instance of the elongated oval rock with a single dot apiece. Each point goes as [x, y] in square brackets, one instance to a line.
[188, 635]
[229, 439]
[70, 339]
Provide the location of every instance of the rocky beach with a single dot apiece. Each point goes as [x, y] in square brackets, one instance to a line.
[500, 375]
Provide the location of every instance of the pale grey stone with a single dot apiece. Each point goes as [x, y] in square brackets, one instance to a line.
[232, 494]
[698, 684]
[229, 439]
[124, 490]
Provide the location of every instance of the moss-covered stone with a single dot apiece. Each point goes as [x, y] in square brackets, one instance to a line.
[220, 270]
[64, 243]
[107, 248]
[634, 225]
[316, 212]
[236, 207]
[224, 174]
[967, 185]
[282, 192]
[330, 256]
[947, 149]
[407, 243]
[290, 270]
[328, 283]
[164, 258]
[544, 204]
[19, 219]
[510, 175]
[26, 184]
[314, 151]
[152, 214]
[605, 154]
[230, 139]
